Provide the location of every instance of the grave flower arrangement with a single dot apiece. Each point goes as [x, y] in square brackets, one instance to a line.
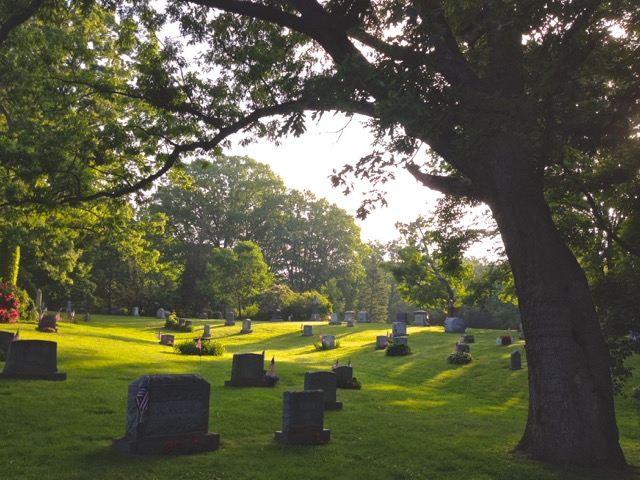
[459, 358]
[324, 345]
[506, 340]
[8, 304]
[48, 322]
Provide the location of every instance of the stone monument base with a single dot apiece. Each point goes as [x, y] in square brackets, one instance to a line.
[58, 376]
[304, 438]
[332, 405]
[263, 382]
[169, 444]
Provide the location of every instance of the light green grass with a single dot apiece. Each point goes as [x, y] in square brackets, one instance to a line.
[416, 417]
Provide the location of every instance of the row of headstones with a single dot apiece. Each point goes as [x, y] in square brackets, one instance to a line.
[176, 413]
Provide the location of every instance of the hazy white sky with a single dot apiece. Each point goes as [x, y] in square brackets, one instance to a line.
[307, 162]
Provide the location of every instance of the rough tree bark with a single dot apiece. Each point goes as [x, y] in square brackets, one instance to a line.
[571, 416]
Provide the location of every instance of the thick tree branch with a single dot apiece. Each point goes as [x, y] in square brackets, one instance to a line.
[18, 18]
[460, 187]
[173, 157]
[451, 61]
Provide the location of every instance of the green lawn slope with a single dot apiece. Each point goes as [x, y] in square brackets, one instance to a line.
[416, 417]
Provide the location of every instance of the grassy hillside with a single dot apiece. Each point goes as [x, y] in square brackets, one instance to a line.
[416, 417]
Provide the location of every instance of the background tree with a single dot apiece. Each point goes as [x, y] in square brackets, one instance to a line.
[238, 275]
[373, 291]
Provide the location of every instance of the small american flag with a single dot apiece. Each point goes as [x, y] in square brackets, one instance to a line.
[272, 366]
[199, 344]
[142, 400]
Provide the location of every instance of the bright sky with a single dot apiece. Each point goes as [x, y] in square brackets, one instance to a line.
[307, 162]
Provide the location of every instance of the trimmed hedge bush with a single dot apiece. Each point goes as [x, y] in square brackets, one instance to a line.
[209, 347]
[397, 350]
[459, 358]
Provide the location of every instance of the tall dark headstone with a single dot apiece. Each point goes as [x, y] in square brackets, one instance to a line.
[32, 360]
[327, 382]
[315, 309]
[168, 414]
[247, 370]
[344, 376]
[303, 418]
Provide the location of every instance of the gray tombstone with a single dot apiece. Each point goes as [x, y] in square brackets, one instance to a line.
[349, 316]
[327, 382]
[87, 316]
[203, 316]
[207, 331]
[303, 419]
[277, 316]
[329, 341]
[160, 313]
[381, 342]
[399, 329]
[420, 318]
[166, 339]
[454, 325]
[315, 309]
[230, 318]
[247, 370]
[168, 414]
[135, 312]
[246, 326]
[32, 360]
[468, 339]
[463, 347]
[516, 360]
[188, 323]
[181, 321]
[5, 340]
[335, 319]
[344, 376]
[307, 330]
[363, 317]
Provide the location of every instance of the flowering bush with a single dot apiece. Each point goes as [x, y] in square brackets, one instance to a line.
[9, 304]
[459, 358]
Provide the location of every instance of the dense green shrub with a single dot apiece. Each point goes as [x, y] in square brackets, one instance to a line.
[209, 347]
[397, 350]
[173, 324]
[459, 358]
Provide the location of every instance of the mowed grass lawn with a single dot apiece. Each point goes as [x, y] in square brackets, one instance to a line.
[416, 417]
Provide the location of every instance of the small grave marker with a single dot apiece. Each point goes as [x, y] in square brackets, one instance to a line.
[420, 318]
[516, 360]
[246, 326]
[307, 330]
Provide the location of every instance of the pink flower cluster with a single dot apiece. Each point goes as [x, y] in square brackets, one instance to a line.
[8, 304]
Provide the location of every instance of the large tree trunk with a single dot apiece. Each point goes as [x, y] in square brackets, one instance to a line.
[571, 416]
